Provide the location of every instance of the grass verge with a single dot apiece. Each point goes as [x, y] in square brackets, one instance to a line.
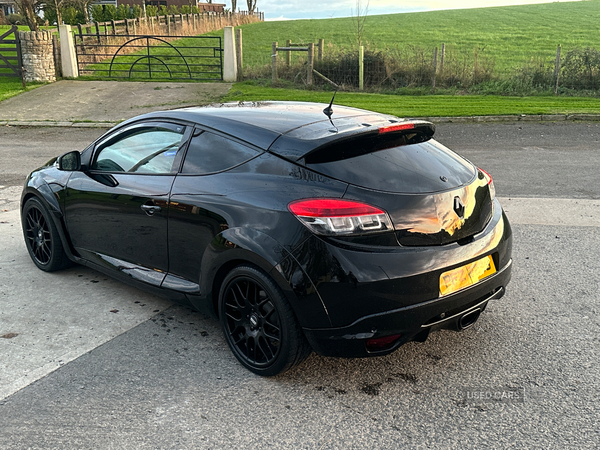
[9, 87]
[424, 106]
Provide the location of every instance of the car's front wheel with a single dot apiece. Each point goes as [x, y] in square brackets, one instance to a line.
[41, 237]
[259, 324]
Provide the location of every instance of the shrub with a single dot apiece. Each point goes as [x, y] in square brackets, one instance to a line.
[110, 12]
[581, 68]
[135, 11]
[15, 19]
[98, 13]
[151, 11]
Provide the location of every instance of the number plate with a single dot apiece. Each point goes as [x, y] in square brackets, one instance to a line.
[465, 276]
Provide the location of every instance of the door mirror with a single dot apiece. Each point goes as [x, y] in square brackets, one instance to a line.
[70, 162]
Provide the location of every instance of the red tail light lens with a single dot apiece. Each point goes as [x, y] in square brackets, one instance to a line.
[490, 183]
[340, 217]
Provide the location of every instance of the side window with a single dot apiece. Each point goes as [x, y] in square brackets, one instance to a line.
[141, 150]
[209, 153]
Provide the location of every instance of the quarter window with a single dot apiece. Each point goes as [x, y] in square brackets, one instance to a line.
[210, 153]
[143, 150]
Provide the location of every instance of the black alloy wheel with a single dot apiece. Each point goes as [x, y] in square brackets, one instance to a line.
[41, 237]
[259, 324]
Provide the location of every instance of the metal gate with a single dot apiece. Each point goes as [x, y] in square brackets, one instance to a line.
[144, 57]
[10, 54]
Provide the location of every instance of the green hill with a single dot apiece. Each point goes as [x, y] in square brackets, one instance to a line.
[510, 35]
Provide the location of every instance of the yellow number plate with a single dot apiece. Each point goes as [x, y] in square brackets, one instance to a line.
[465, 276]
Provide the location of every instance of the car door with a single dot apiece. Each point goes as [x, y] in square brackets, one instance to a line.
[199, 203]
[116, 210]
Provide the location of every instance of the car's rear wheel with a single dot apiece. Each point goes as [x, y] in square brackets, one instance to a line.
[41, 237]
[259, 324]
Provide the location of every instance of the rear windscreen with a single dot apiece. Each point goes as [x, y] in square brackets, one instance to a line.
[405, 168]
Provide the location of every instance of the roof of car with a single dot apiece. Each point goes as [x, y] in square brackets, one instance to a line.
[290, 129]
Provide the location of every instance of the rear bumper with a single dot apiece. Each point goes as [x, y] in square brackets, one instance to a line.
[413, 323]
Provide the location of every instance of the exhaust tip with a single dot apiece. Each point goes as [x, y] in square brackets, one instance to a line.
[469, 319]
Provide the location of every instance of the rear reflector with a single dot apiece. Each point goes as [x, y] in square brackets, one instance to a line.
[382, 343]
[398, 127]
[340, 217]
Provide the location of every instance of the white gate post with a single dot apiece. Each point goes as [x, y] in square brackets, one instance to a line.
[68, 58]
[229, 58]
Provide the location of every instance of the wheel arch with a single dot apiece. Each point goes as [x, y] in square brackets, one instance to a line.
[42, 192]
[245, 246]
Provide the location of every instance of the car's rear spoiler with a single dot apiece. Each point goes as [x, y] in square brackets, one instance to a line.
[371, 140]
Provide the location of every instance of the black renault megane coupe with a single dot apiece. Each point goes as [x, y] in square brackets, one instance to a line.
[301, 227]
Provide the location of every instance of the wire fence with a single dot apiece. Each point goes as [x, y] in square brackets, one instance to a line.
[443, 69]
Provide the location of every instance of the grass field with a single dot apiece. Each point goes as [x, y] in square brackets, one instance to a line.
[424, 106]
[510, 35]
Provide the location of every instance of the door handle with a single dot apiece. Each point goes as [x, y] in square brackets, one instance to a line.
[150, 209]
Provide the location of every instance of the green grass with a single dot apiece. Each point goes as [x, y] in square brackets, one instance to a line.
[510, 35]
[424, 106]
[9, 87]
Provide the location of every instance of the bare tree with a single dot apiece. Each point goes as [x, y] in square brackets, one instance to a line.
[360, 19]
[251, 5]
[233, 5]
[27, 10]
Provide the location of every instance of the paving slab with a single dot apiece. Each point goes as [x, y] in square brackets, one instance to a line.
[68, 101]
[50, 319]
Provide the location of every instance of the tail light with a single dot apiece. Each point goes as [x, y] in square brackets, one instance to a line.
[490, 183]
[335, 217]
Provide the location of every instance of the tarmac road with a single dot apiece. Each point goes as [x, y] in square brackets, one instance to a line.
[77, 375]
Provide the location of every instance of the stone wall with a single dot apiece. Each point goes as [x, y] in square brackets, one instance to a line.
[38, 56]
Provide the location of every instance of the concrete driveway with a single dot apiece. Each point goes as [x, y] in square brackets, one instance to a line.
[105, 102]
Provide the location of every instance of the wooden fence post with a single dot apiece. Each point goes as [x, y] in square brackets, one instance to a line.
[288, 54]
[434, 69]
[97, 31]
[274, 62]
[134, 27]
[557, 69]
[168, 19]
[81, 38]
[127, 27]
[311, 63]
[320, 49]
[239, 51]
[361, 68]
[113, 27]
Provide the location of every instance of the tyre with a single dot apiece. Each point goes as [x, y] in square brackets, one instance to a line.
[259, 324]
[41, 237]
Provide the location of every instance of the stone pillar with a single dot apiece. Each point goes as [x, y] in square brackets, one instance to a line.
[68, 58]
[229, 57]
[38, 56]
